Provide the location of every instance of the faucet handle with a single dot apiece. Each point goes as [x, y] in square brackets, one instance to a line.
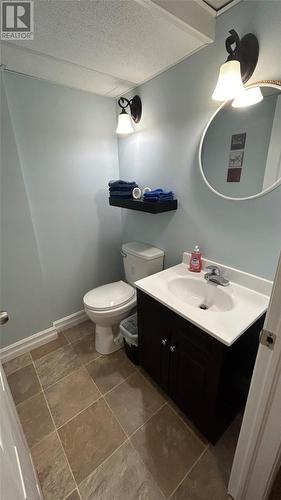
[214, 269]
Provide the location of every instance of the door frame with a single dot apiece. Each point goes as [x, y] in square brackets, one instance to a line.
[258, 452]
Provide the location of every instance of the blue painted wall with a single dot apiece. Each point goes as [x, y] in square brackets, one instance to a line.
[23, 293]
[164, 152]
[60, 237]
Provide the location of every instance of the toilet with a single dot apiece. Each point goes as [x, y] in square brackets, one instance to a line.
[107, 305]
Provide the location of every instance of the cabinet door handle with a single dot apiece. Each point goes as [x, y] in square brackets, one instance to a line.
[172, 348]
[164, 341]
[3, 317]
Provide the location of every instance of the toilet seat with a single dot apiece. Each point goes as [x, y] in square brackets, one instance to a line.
[109, 297]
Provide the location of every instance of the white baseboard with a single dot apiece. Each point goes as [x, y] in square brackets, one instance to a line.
[24, 345]
[69, 321]
[40, 338]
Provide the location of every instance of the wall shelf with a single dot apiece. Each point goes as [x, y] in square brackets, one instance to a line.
[151, 207]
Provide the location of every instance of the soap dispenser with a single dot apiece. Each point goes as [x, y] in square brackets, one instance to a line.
[195, 263]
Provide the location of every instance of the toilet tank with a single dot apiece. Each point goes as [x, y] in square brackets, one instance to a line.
[141, 260]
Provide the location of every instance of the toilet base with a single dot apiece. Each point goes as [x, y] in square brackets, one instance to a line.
[104, 340]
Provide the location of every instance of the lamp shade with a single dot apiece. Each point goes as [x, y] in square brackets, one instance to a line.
[124, 125]
[229, 83]
[248, 97]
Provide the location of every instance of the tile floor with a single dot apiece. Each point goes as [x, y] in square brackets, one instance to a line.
[98, 429]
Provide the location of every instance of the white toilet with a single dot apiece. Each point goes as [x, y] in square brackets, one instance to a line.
[107, 305]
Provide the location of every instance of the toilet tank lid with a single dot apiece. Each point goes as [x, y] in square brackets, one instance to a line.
[142, 250]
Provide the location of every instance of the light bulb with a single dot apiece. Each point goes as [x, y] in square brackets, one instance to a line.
[248, 97]
[229, 83]
[124, 124]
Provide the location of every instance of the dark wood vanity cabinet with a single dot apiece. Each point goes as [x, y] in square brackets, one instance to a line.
[206, 379]
[154, 339]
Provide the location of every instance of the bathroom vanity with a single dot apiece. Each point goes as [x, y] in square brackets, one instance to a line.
[205, 369]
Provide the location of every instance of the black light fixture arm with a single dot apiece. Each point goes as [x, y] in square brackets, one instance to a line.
[245, 50]
[233, 39]
[123, 102]
[135, 106]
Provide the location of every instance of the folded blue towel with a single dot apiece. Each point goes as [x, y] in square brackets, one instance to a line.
[113, 189]
[156, 198]
[121, 196]
[128, 192]
[120, 183]
[158, 195]
[157, 192]
[168, 194]
[154, 192]
[152, 198]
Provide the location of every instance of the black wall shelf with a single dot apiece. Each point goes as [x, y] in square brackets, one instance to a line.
[152, 207]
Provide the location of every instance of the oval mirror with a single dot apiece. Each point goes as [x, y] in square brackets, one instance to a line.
[240, 150]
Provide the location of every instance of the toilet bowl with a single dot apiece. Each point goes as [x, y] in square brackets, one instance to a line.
[108, 304]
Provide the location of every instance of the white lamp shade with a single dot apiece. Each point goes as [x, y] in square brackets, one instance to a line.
[248, 97]
[229, 83]
[124, 125]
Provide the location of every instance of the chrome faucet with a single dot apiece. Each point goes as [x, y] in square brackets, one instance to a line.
[214, 275]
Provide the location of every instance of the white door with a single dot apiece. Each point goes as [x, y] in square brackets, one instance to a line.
[18, 479]
[258, 451]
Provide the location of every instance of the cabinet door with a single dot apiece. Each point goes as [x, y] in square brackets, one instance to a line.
[154, 339]
[189, 370]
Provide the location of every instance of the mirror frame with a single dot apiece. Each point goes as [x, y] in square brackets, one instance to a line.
[263, 83]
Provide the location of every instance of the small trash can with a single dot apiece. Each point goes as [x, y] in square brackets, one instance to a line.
[129, 331]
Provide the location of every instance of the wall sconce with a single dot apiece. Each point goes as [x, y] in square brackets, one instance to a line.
[238, 67]
[125, 125]
[247, 98]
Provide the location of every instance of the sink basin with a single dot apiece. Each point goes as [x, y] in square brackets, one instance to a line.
[201, 294]
[223, 312]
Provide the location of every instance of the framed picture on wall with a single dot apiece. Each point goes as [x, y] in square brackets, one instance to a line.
[234, 174]
[236, 159]
[238, 141]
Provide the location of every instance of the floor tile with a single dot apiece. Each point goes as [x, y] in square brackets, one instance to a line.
[122, 477]
[56, 365]
[15, 364]
[53, 471]
[24, 383]
[73, 496]
[85, 349]
[168, 448]
[79, 331]
[204, 482]
[71, 395]
[90, 438]
[35, 419]
[133, 402]
[153, 383]
[224, 449]
[188, 422]
[51, 346]
[109, 371]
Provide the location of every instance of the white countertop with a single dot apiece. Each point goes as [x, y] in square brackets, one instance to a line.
[246, 304]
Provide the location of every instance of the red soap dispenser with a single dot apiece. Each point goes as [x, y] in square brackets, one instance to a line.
[195, 263]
